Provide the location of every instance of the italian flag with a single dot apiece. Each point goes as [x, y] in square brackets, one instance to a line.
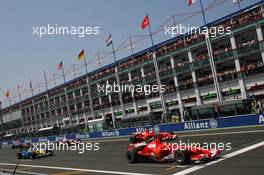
[190, 2]
[109, 41]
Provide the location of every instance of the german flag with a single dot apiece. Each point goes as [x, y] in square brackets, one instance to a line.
[81, 55]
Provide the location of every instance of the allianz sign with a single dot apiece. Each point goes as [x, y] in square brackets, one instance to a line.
[261, 119]
[201, 125]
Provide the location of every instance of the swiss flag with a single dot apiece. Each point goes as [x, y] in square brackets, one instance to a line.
[190, 2]
[145, 22]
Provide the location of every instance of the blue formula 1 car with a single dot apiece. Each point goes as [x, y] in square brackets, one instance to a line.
[33, 154]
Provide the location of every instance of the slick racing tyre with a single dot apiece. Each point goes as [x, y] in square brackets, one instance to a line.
[182, 157]
[33, 156]
[131, 156]
[19, 156]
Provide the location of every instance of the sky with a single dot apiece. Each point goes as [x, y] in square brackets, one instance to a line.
[25, 56]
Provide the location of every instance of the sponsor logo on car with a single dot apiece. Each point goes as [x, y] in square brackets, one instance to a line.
[140, 144]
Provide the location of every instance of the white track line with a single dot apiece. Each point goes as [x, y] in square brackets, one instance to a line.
[197, 167]
[73, 169]
[21, 172]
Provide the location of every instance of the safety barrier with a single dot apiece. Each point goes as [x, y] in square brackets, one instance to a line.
[223, 122]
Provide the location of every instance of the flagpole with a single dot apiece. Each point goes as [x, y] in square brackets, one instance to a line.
[89, 89]
[211, 59]
[85, 64]
[131, 45]
[239, 5]
[46, 83]
[150, 33]
[14, 96]
[39, 86]
[1, 119]
[132, 93]
[9, 101]
[204, 19]
[113, 50]
[99, 60]
[100, 64]
[74, 72]
[33, 103]
[31, 88]
[45, 78]
[54, 77]
[66, 94]
[118, 83]
[63, 73]
[19, 95]
[156, 67]
[174, 21]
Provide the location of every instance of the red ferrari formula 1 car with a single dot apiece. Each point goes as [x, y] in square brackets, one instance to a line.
[18, 144]
[146, 135]
[157, 151]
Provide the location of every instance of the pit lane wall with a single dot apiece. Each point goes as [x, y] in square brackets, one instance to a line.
[224, 122]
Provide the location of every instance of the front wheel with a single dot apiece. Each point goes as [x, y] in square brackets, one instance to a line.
[132, 156]
[182, 157]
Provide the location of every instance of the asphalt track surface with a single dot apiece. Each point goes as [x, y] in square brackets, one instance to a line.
[245, 157]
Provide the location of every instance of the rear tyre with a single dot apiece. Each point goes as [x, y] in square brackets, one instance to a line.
[19, 156]
[170, 132]
[182, 157]
[33, 156]
[132, 156]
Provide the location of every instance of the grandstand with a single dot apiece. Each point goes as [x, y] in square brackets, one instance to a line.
[216, 77]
